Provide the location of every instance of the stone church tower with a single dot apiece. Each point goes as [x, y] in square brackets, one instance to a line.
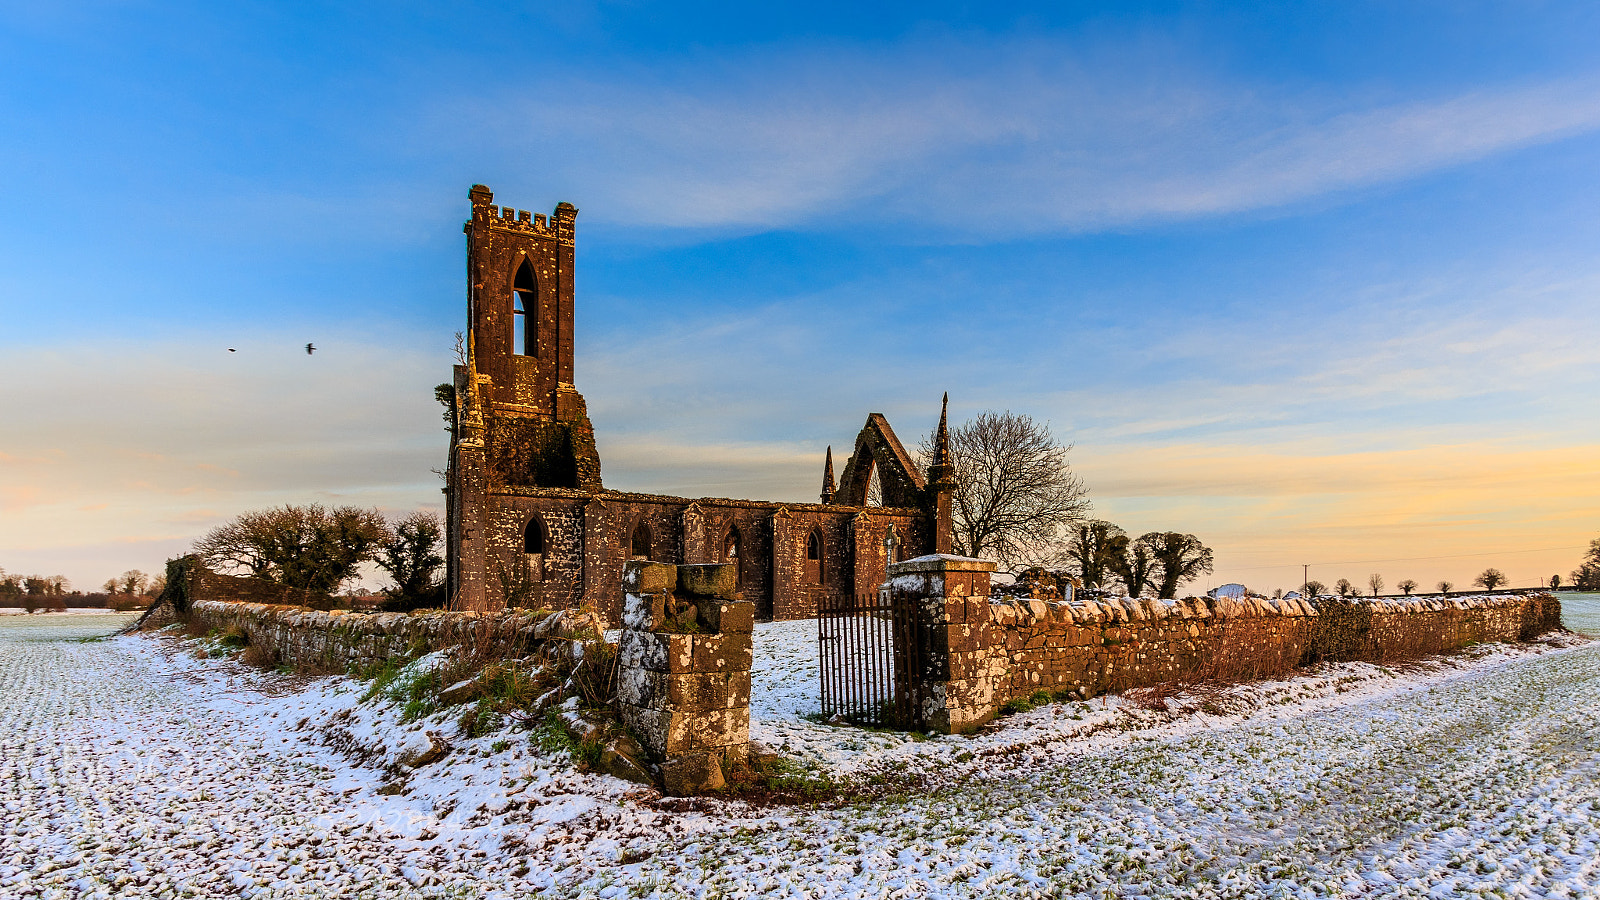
[529, 523]
[519, 423]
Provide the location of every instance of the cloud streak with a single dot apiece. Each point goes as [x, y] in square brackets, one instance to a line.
[1030, 138]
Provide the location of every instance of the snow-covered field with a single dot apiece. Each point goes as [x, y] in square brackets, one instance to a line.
[129, 767]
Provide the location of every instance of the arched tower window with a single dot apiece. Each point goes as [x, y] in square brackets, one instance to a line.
[641, 541]
[534, 548]
[813, 567]
[525, 312]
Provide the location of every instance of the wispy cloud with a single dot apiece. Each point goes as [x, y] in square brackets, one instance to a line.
[1021, 137]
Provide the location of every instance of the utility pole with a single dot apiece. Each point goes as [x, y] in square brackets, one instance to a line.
[1305, 578]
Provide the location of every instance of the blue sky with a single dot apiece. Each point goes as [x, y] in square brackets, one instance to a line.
[1316, 282]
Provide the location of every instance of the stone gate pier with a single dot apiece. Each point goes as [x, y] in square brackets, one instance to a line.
[952, 689]
[683, 678]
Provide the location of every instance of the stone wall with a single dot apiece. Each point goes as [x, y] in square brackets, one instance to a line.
[683, 676]
[980, 651]
[337, 640]
[588, 539]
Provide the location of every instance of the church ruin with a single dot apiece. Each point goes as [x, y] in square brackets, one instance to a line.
[529, 522]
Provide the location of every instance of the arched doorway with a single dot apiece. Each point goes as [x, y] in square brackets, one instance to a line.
[641, 542]
[533, 548]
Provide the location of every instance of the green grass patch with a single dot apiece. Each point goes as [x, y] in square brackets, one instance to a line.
[1032, 701]
[553, 736]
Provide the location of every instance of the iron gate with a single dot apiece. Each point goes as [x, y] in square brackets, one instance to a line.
[868, 653]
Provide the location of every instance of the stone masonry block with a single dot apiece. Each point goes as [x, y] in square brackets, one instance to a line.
[720, 581]
[728, 617]
[955, 610]
[641, 650]
[720, 653]
[645, 577]
[644, 612]
[641, 687]
[701, 692]
[656, 652]
[673, 733]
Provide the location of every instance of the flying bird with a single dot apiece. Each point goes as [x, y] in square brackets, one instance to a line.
[231, 350]
[310, 349]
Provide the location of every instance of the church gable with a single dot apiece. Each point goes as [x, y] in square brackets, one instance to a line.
[877, 448]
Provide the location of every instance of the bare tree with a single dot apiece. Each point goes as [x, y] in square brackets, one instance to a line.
[1408, 586]
[1555, 582]
[1490, 579]
[112, 585]
[1136, 564]
[1313, 588]
[308, 548]
[1375, 581]
[1015, 491]
[133, 581]
[1093, 551]
[1344, 587]
[1445, 586]
[1181, 558]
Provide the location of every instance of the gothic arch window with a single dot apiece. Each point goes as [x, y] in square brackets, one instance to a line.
[641, 541]
[533, 547]
[525, 312]
[814, 554]
[874, 484]
[730, 545]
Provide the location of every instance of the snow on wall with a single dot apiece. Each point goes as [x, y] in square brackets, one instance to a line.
[989, 650]
[338, 639]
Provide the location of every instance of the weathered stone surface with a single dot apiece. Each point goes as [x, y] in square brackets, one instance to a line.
[340, 640]
[687, 696]
[624, 758]
[656, 651]
[721, 653]
[460, 692]
[645, 577]
[438, 748]
[728, 617]
[719, 581]
[1003, 648]
[691, 774]
[644, 612]
[671, 732]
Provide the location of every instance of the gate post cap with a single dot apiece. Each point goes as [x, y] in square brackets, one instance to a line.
[720, 580]
[941, 562]
[641, 576]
